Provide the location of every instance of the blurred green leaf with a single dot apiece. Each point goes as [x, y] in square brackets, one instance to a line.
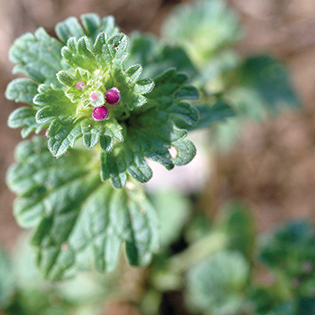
[92, 26]
[237, 221]
[217, 284]
[38, 56]
[7, 283]
[203, 28]
[259, 88]
[290, 251]
[270, 79]
[173, 210]
[199, 226]
[156, 56]
[208, 115]
[306, 306]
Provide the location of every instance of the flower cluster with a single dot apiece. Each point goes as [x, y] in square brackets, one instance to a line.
[79, 87]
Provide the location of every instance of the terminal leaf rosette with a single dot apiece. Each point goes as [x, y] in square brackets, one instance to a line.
[70, 89]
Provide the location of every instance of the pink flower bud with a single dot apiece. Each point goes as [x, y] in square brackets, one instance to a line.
[80, 85]
[100, 113]
[93, 96]
[112, 96]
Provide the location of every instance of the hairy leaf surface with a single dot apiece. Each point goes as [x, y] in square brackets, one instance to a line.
[77, 219]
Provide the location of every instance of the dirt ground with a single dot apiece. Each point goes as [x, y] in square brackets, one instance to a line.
[273, 168]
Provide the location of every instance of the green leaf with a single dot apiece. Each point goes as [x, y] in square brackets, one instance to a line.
[25, 117]
[7, 285]
[259, 87]
[157, 57]
[270, 301]
[38, 56]
[69, 28]
[21, 90]
[78, 53]
[62, 135]
[209, 115]
[173, 210]
[137, 127]
[217, 284]
[290, 250]
[237, 222]
[151, 133]
[53, 104]
[269, 78]
[77, 218]
[92, 23]
[202, 28]
[306, 306]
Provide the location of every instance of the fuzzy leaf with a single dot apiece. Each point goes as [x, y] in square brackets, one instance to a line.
[209, 115]
[38, 56]
[269, 78]
[77, 218]
[25, 117]
[92, 23]
[217, 284]
[152, 133]
[21, 90]
[157, 57]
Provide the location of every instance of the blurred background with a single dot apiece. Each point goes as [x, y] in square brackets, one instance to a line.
[272, 164]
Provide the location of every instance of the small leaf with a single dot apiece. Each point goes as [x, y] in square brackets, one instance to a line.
[25, 117]
[21, 90]
[238, 225]
[77, 218]
[53, 104]
[171, 222]
[202, 28]
[209, 115]
[62, 135]
[157, 57]
[217, 284]
[38, 56]
[78, 53]
[270, 79]
[69, 28]
[7, 285]
[92, 24]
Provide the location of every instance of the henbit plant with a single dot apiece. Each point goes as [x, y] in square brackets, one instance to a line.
[83, 197]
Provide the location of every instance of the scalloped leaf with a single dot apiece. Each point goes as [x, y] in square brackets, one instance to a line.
[151, 133]
[92, 26]
[208, 115]
[21, 90]
[156, 56]
[25, 117]
[38, 56]
[77, 218]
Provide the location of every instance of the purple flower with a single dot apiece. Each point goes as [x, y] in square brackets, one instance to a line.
[94, 96]
[80, 85]
[100, 113]
[112, 96]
